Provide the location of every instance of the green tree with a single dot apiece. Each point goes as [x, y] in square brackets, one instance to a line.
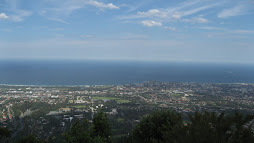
[167, 127]
[206, 127]
[98, 132]
[240, 129]
[212, 128]
[78, 133]
[160, 126]
[100, 128]
[5, 134]
[30, 139]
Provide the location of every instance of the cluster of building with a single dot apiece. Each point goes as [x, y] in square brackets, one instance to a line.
[35, 108]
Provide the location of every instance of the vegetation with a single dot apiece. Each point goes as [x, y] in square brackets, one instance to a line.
[163, 126]
[30, 139]
[79, 106]
[4, 134]
[123, 101]
[118, 100]
[212, 128]
[167, 126]
[98, 132]
[105, 98]
[160, 126]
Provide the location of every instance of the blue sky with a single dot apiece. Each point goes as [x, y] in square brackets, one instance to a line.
[146, 30]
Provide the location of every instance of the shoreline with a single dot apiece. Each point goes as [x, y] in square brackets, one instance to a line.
[81, 85]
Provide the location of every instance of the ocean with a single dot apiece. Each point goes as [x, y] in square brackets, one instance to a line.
[63, 72]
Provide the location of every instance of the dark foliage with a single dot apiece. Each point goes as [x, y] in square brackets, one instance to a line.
[4, 133]
[167, 126]
[160, 126]
[78, 133]
[30, 139]
[82, 132]
[211, 128]
[100, 127]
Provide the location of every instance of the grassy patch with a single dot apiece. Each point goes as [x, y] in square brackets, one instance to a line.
[107, 98]
[120, 135]
[79, 106]
[176, 94]
[118, 100]
[120, 120]
[123, 101]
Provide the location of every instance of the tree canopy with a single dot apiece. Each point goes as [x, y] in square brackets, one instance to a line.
[168, 127]
[83, 132]
[30, 139]
[160, 126]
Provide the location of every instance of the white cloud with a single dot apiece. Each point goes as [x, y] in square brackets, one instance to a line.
[234, 11]
[177, 12]
[176, 15]
[102, 5]
[3, 16]
[6, 30]
[87, 36]
[198, 9]
[58, 10]
[15, 13]
[227, 31]
[210, 28]
[201, 20]
[196, 20]
[58, 29]
[151, 23]
[242, 31]
[153, 13]
[170, 28]
[58, 20]
[132, 36]
[20, 15]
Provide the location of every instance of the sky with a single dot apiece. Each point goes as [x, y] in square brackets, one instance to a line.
[143, 30]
